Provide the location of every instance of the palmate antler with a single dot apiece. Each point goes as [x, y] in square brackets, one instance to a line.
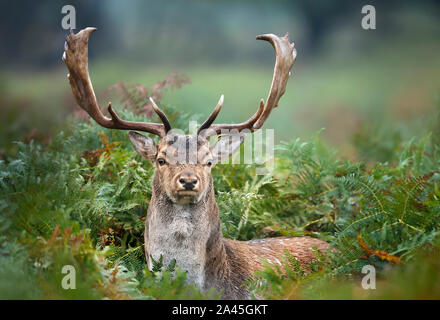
[285, 58]
[76, 59]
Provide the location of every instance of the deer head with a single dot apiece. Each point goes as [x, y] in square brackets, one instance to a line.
[183, 162]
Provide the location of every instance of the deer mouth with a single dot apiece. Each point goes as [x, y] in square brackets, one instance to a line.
[187, 193]
[187, 197]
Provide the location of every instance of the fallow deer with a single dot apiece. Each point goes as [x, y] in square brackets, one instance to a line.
[183, 220]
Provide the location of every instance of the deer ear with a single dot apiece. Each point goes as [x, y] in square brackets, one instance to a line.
[226, 146]
[145, 146]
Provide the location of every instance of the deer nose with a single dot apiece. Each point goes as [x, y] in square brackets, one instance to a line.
[188, 183]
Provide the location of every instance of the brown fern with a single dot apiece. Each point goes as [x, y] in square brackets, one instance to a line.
[135, 96]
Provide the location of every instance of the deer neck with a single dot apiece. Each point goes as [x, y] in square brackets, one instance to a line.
[189, 233]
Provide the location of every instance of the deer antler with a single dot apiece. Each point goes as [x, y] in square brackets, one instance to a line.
[285, 58]
[76, 59]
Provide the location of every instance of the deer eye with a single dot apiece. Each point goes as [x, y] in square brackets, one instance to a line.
[209, 163]
[161, 161]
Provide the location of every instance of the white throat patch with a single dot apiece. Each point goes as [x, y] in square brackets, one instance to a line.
[182, 239]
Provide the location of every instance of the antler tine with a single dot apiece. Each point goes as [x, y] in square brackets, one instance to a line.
[285, 58]
[161, 115]
[214, 114]
[75, 57]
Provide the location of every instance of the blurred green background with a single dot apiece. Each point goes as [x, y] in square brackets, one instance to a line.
[344, 76]
[374, 91]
